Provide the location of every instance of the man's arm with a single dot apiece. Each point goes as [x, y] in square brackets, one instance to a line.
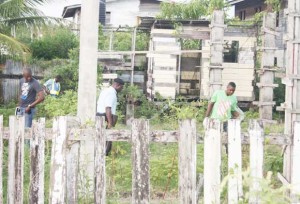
[109, 117]
[39, 99]
[209, 108]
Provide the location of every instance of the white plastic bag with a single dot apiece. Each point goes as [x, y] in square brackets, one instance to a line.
[241, 114]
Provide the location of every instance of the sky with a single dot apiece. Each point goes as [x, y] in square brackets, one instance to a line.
[55, 8]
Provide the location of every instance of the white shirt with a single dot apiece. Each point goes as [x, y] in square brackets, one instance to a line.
[107, 98]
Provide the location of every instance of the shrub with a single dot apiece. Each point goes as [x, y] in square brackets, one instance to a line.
[54, 45]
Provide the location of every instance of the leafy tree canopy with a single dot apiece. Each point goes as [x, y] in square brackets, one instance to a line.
[195, 9]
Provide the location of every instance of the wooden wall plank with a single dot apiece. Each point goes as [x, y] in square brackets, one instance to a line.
[72, 163]
[235, 185]
[256, 134]
[16, 160]
[295, 176]
[212, 162]
[140, 162]
[58, 161]
[187, 154]
[100, 154]
[37, 162]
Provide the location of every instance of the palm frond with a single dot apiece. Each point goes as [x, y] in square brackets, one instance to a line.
[20, 8]
[31, 20]
[9, 46]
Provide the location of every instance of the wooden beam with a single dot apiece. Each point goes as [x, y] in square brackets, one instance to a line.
[76, 134]
[169, 52]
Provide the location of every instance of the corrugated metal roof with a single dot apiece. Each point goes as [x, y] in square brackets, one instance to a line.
[232, 2]
[69, 11]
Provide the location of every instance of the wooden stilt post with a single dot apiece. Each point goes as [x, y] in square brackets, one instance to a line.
[266, 84]
[292, 81]
[216, 51]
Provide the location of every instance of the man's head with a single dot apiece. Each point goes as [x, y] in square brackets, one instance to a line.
[118, 84]
[27, 74]
[230, 88]
[58, 78]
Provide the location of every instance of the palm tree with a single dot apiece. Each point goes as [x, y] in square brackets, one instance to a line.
[15, 13]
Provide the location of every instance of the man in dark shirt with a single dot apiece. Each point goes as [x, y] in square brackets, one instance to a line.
[31, 94]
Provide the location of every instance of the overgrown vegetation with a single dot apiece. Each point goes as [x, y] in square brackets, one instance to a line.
[54, 44]
[194, 9]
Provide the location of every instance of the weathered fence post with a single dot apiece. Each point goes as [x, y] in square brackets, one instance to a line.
[16, 160]
[212, 162]
[235, 186]
[140, 162]
[295, 176]
[256, 134]
[72, 162]
[58, 161]
[37, 162]
[187, 153]
[100, 147]
[1, 158]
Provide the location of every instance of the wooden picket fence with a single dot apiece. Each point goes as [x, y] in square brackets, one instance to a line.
[67, 134]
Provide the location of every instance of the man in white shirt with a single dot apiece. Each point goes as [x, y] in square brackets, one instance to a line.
[107, 105]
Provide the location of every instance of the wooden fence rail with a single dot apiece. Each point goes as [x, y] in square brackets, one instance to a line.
[66, 136]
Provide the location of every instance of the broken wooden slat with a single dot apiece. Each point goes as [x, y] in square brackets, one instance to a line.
[140, 162]
[100, 152]
[187, 154]
[16, 160]
[212, 162]
[72, 168]
[256, 134]
[37, 162]
[235, 187]
[58, 161]
[295, 176]
[1, 159]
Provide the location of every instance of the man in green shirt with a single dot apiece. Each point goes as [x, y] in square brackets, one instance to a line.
[223, 105]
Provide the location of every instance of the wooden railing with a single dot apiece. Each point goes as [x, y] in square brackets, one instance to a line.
[67, 134]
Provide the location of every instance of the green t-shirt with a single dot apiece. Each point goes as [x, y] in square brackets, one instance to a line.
[223, 105]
